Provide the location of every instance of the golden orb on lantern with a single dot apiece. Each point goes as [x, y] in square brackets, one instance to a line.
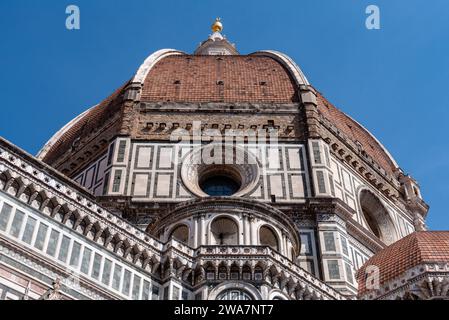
[217, 26]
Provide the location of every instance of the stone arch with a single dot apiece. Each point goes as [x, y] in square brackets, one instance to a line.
[246, 272]
[210, 270]
[223, 271]
[48, 206]
[13, 187]
[198, 274]
[377, 217]
[234, 271]
[269, 237]
[3, 180]
[235, 285]
[39, 199]
[277, 294]
[224, 230]
[26, 194]
[180, 232]
[259, 271]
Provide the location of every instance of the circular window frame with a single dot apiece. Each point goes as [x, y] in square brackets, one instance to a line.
[194, 171]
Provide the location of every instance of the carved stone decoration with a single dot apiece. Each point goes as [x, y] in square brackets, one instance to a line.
[54, 293]
[419, 223]
[434, 288]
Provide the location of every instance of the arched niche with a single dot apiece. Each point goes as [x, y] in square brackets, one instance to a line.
[180, 233]
[377, 217]
[267, 237]
[224, 231]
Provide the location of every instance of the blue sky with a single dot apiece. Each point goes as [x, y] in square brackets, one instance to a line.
[395, 80]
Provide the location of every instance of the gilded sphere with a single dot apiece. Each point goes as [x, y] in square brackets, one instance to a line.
[217, 26]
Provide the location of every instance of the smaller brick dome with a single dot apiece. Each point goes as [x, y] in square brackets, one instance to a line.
[420, 247]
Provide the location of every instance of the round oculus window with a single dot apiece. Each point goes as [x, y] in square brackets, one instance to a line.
[226, 178]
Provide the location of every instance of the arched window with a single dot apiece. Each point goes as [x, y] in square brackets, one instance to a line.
[234, 294]
[224, 232]
[268, 238]
[258, 273]
[181, 233]
[210, 273]
[3, 180]
[377, 218]
[235, 272]
[246, 272]
[222, 272]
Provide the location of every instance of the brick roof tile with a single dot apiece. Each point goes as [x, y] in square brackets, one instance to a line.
[193, 78]
[415, 249]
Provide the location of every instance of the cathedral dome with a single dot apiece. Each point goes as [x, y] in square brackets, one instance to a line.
[216, 73]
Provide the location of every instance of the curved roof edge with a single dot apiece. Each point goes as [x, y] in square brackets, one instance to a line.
[43, 152]
[287, 62]
[149, 63]
[378, 142]
[139, 77]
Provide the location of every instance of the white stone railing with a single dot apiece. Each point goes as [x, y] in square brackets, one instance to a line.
[269, 256]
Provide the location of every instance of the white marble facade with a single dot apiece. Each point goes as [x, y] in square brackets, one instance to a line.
[151, 171]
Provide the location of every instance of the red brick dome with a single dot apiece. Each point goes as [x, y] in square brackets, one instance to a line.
[168, 75]
[234, 79]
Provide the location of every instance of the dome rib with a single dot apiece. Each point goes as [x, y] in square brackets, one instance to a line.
[150, 61]
[288, 63]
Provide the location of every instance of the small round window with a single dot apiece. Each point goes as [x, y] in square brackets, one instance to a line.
[228, 177]
[220, 186]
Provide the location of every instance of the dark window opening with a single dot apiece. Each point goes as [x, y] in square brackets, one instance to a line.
[220, 186]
